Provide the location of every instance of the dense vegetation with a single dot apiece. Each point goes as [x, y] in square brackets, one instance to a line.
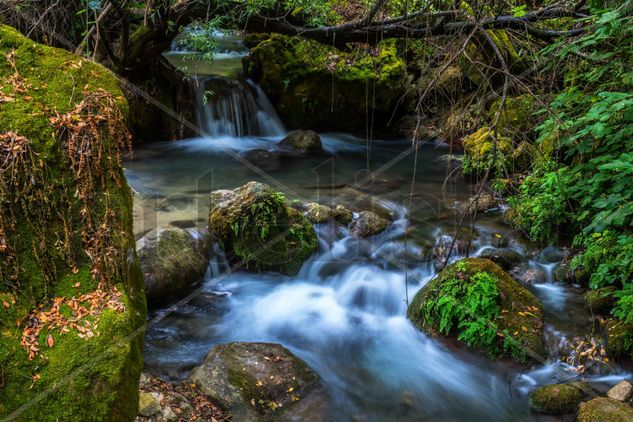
[583, 182]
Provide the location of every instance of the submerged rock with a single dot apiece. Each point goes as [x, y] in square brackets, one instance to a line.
[254, 381]
[172, 260]
[367, 224]
[255, 225]
[604, 409]
[302, 141]
[556, 399]
[477, 302]
[262, 158]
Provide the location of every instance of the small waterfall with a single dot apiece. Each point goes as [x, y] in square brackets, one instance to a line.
[235, 108]
[227, 106]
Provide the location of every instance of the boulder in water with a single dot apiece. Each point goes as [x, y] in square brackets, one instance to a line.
[172, 260]
[477, 302]
[556, 399]
[367, 224]
[254, 381]
[302, 142]
[319, 214]
[505, 258]
[478, 204]
[604, 409]
[343, 215]
[458, 242]
[255, 225]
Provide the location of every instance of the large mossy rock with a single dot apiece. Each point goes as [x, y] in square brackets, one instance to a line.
[256, 227]
[475, 301]
[556, 399]
[73, 305]
[603, 409]
[319, 87]
[254, 381]
[172, 260]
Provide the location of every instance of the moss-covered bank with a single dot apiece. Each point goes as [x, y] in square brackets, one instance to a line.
[317, 87]
[70, 285]
[475, 301]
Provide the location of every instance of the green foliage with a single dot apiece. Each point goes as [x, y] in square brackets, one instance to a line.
[590, 185]
[469, 306]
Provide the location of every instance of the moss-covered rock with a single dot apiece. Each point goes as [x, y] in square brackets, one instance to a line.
[172, 260]
[67, 243]
[256, 226]
[556, 399]
[516, 117]
[367, 224]
[254, 381]
[343, 215]
[475, 301]
[485, 150]
[603, 409]
[319, 87]
[318, 213]
[601, 300]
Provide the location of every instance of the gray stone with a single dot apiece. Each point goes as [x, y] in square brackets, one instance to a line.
[148, 404]
[623, 392]
[367, 224]
[302, 141]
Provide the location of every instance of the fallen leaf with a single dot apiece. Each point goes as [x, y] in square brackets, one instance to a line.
[50, 341]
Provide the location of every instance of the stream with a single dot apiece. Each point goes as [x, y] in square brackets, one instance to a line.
[345, 312]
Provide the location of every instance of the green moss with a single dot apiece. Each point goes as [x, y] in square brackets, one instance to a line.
[556, 399]
[517, 116]
[259, 228]
[484, 151]
[604, 409]
[619, 338]
[317, 86]
[475, 301]
[77, 377]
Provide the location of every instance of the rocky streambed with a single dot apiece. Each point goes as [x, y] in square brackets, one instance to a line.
[316, 269]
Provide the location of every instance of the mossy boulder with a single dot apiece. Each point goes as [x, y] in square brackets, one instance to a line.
[343, 215]
[67, 241]
[601, 300]
[476, 302]
[317, 86]
[256, 226]
[319, 214]
[478, 204]
[556, 399]
[172, 260]
[603, 409]
[302, 142]
[366, 224]
[485, 150]
[254, 381]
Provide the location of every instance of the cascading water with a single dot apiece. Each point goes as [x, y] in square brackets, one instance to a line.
[344, 313]
[235, 108]
[227, 105]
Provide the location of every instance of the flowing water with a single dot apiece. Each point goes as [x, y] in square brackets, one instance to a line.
[344, 313]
